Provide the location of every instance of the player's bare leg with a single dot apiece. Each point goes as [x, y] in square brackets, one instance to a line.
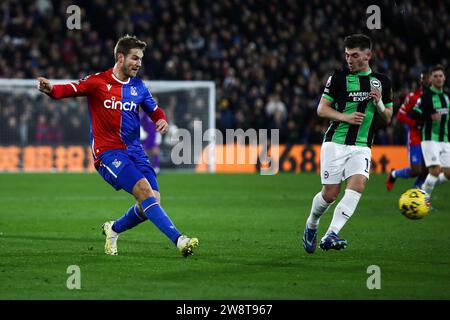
[446, 174]
[330, 192]
[142, 190]
[357, 183]
[421, 176]
[416, 169]
[420, 172]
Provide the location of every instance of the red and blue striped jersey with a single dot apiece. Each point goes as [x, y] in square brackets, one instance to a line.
[113, 109]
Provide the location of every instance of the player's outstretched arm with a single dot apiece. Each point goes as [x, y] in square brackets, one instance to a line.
[326, 111]
[44, 85]
[73, 89]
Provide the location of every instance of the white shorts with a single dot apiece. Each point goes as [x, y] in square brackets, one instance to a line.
[436, 153]
[339, 162]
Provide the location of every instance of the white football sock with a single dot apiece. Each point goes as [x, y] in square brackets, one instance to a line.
[430, 183]
[344, 210]
[318, 208]
[441, 179]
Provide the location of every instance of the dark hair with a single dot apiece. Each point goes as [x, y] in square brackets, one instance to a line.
[438, 67]
[126, 43]
[358, 40]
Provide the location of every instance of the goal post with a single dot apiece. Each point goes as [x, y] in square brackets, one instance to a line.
[38, 133]
[201, 107]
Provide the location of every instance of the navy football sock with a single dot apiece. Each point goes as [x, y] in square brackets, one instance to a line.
[158, 216]
[129, 220]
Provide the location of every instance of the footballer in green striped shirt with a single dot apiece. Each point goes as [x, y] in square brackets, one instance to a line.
[353, 100]
[432, 109]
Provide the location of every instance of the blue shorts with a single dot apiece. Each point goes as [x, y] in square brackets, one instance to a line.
[415, 155]
[123, 168]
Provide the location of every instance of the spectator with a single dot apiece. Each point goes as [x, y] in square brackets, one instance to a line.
[41, 130]
[195, 41]
[275, 105]
[281, 47]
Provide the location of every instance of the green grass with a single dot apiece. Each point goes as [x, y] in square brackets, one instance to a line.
[249, 228]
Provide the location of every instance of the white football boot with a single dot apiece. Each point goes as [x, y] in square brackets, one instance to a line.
[111, 238]
[186, 245]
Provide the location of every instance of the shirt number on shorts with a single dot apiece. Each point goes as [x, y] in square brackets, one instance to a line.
[367, 165]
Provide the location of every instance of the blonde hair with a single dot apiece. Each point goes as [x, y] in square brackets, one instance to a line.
[126, 43]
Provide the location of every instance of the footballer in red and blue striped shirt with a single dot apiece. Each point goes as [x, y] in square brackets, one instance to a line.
[114, 99]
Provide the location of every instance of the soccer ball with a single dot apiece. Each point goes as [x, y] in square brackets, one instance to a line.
[414, 204]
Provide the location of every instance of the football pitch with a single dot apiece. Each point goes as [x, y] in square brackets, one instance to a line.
[249, 227]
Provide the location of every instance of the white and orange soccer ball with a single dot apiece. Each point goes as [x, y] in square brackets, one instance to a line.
[414, 204]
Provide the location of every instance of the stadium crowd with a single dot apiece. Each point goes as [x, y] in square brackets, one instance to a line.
[269, 59]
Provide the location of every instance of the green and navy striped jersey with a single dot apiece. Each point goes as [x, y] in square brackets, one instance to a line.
[434, 101]
[349, 92]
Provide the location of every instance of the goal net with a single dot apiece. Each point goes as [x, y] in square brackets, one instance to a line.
[38, 133]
